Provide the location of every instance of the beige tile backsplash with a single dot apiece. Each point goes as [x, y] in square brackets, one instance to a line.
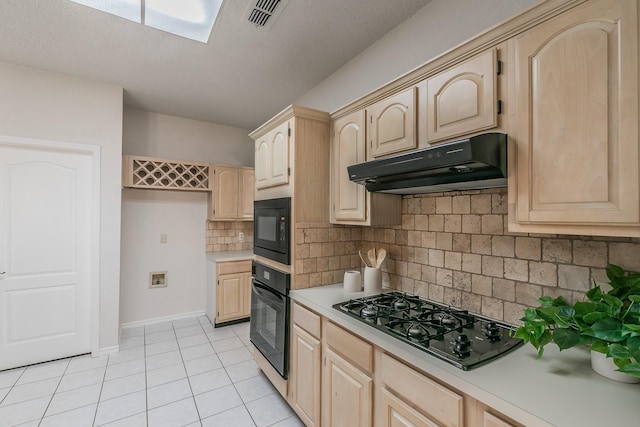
[223, 236]
[455, 248]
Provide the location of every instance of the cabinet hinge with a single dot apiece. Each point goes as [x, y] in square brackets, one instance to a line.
[499, 107]
[218, 282]
[498, 67]
[371, 118]
[289, 132]
[289, 171]
[324, 361]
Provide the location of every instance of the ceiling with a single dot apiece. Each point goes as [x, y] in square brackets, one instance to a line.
[241, 78]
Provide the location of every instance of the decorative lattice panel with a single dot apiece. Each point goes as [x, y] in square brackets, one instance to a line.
[145, 172]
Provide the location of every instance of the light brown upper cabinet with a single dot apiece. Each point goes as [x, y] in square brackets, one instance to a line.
[350, 202]
[576, 123]
[348, 147]
[272, 157]
[392, 124]
[463, 99]
[232, 194]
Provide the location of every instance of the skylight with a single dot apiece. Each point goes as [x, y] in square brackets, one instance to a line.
[192, 19]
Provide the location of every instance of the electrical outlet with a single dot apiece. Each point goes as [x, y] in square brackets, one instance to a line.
[241, 237]
[163, 238]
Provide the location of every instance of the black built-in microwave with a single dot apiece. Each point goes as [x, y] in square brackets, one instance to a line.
[272, 229]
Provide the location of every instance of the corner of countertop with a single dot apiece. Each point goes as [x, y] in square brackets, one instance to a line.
[229, 256]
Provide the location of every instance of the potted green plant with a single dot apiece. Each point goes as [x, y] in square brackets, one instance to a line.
[607, 322]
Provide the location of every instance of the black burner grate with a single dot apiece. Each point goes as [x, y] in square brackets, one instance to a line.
[457, 336]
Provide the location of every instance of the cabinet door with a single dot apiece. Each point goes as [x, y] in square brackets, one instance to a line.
[490, 420]
[225, 192]
[577, 112]
[462, 99]
[397, 413]
[347, 393]
[246, 187]
[230, 297]
[262, 162]
[304, 376]
[272, 157]
[348, 147]
[392, 124]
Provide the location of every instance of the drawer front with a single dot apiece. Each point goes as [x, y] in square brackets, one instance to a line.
[437, 402]
[230, 267]
[307, 320]
[358, 352]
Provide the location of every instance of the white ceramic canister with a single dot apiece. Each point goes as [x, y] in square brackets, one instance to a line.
[352, 281]
[372, 280]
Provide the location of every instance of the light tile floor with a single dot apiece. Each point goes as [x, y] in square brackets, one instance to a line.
[180, 373]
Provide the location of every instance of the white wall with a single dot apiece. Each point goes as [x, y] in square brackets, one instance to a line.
[41, 105]
[146, 214]
[439, 26]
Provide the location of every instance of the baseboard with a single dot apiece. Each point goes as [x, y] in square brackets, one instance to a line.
[107, 351]
[161, 319]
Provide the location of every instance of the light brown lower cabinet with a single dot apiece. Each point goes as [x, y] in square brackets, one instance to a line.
[486, 417]
[347, 378]
[233, 290]
[305, 365]
[348, 392]
[395, 412]
[336, 379]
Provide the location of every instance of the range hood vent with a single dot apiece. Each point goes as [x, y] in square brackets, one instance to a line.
[476, 162]
[263, 13]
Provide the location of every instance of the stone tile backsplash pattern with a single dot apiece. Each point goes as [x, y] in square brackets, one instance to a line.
[455, 248]
[223, 236]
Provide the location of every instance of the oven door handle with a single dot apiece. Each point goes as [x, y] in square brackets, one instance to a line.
[272, 295]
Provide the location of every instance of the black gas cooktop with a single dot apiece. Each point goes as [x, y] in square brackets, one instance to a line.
[463, 339]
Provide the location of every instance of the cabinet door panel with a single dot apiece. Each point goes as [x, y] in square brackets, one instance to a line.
[246, 187]
[280, 155]
[262, 162]
[463, 98]
[305, 376]
[347, 394]
[577, 132]
[397, 413]
[392, 124]
[348, 148]
[226, 192]
[230, 297]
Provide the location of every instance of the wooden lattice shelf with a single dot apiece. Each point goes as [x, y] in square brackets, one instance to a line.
[157, 173]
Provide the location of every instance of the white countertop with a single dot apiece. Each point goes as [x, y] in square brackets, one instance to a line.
[559, 388]
[229, 256]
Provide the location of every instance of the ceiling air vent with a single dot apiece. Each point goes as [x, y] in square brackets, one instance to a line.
[263, 13]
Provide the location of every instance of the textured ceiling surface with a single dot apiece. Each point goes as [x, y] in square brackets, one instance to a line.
[241, 78]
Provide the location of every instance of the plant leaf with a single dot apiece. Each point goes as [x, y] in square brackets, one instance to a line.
[565, 338]
[599, 346]
[591, 318]
[614, 272]
[594, 294]
[545, 301]
[632, 369]
[618, 351]
[606, 330]
[582, 307]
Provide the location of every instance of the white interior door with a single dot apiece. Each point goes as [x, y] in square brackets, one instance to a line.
[45, 253]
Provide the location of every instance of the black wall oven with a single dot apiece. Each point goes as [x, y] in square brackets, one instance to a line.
[272, 229]
[269, 324]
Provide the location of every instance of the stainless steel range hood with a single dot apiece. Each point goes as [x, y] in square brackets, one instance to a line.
[476, 162]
